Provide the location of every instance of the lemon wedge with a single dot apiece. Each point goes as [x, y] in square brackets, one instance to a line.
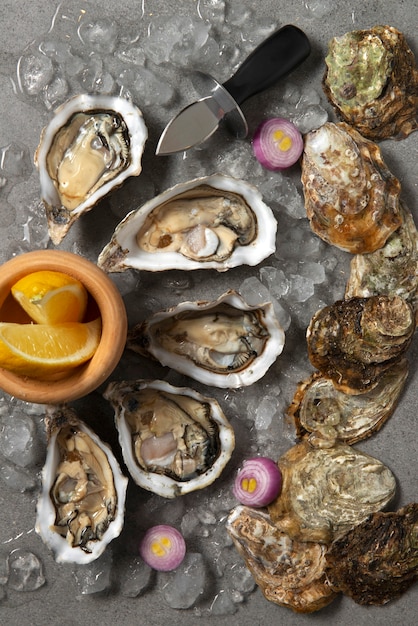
[39, 350]
[50, 297]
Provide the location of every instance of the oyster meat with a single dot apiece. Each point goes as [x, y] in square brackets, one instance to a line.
[355, 341]
[290, 573]
[213, 222]
[82, 504]
[392, 270]
[91, 145]
[376, 561]
[351, 197]
[174, 440]
[326, 491]
[224, 343]
[329, 415]
[371, 80]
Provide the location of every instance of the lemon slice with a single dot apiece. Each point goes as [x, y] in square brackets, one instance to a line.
[51, 297]
[39, 350]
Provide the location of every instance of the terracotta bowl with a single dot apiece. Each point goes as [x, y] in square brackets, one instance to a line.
[104, 300]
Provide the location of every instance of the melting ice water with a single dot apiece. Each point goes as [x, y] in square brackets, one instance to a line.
[84, 51]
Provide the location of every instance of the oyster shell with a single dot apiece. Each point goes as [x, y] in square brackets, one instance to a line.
[351, 197]
[225, 343]
[371, 80]
[290, 573]
[354, 341]
[174, 440]
[91, 145]
[326, 491]
[330, 415]
[214, 222]
[392, 270]
[82, 503]
[376, 561]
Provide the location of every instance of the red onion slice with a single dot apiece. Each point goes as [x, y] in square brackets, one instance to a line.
[258, 482]
[163, 548]
[277, 143]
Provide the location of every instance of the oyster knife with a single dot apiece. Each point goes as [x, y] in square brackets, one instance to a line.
[273, 59]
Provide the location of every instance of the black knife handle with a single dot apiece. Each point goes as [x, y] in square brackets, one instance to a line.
[274, 58]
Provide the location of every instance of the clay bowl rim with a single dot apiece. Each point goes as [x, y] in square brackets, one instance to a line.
[91, 375]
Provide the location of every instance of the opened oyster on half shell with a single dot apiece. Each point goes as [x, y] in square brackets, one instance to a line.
[353, 342]
[326, 491]
[82, 504]
[213, 222]
[91, 145]
[372, 82]
[174, 440]
[225, 343]
[351, 197]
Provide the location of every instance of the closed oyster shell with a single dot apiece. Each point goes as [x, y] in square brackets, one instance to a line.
[213, 222]
[174, 440]
[82, 504]
[224, 343]
[372, 82]
[90, 146]
[289, 573]
[354, 341]
[392, 270]
[326, 491]
[329, 415]
[351, 197]
[376, 561]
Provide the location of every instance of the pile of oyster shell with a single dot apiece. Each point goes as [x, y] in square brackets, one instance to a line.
[174, 440]
[325, 533]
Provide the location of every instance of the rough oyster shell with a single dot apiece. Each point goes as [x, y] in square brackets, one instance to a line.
[376, 561]
[82, 504]
[214, 222]
[224, 343]
[354, 341]
[372, 82]
[351, 197]
[326, 491]
[330, 415]
[289, 573]
[392, 270]
[174, 440]
[91, 145]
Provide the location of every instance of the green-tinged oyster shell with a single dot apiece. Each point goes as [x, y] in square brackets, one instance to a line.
[289, 573]
[355, 341]
[328, 415]
[392, 270]
[372, 82]
[376, 561]
[326, 491]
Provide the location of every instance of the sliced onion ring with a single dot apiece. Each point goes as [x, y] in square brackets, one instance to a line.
[277, 143]
[258, 482]
[163, 548]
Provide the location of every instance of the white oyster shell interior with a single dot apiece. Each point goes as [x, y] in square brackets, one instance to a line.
[224, 343]
[169, 421]
[78, 499]
[195, 229]
[90, 146]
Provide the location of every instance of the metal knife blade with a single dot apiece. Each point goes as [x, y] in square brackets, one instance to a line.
[273, 59]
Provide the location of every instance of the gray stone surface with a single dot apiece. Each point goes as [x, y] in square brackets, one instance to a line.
[22, 228]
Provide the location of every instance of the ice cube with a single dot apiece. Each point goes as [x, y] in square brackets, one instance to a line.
[25, 571]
